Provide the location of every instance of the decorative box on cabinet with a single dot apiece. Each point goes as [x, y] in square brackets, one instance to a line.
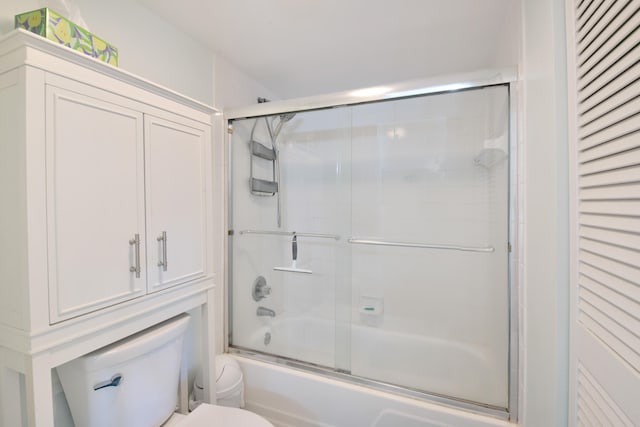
[107, 220]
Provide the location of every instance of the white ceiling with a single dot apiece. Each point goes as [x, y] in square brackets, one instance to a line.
[306, 47]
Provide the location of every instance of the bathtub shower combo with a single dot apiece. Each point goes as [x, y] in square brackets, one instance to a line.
[369, 243]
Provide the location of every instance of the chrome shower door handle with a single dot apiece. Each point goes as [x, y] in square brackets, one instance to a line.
[136, 268]
[163, 241]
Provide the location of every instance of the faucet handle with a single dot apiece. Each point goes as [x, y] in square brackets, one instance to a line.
[260, 289]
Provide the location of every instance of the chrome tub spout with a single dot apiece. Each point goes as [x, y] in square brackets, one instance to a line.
[264, 311]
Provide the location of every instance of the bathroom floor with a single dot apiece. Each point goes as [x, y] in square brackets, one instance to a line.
[174, 420]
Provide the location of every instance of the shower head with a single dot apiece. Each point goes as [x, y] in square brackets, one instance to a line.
[286, 117]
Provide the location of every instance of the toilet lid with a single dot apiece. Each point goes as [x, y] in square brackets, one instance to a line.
[221, 416]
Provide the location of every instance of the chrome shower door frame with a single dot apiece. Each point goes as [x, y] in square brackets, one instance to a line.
[503, 77]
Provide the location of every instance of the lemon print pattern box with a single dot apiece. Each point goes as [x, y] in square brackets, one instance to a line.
[57, 28]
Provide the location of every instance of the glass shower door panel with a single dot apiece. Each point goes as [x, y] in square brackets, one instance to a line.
[297, 319]
[429, 245]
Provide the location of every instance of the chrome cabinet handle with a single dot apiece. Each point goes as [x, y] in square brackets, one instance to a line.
[163, 241]
[136, 242]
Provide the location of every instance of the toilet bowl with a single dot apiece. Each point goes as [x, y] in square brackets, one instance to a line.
[207, 415]
[134, 382]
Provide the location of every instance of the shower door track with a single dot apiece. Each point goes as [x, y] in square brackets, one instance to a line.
[347, 377]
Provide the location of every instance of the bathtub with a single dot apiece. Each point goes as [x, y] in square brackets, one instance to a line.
[290, 397]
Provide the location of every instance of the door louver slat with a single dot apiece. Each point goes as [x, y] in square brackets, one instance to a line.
[599, 31]
[606, 216]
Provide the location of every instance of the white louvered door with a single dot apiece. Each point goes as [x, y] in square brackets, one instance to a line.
[604, 83]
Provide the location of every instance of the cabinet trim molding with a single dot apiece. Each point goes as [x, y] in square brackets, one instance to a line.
[42, 50]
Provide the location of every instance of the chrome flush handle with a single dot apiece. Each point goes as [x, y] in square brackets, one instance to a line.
[113, 382]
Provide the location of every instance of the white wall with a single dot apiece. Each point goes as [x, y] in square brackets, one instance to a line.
[544, 187]
[234, 88]
[154, 49]
[147, 45]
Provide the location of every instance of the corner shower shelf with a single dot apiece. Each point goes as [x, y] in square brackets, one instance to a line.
[260, 150]
[263, 187]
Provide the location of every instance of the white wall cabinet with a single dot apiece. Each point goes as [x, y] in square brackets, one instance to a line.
[105, 162]
[175, 174]
[95, 202]
[107, 222]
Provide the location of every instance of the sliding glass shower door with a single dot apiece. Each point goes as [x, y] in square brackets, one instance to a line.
[311, 201]
[372, 240]
[429, 246]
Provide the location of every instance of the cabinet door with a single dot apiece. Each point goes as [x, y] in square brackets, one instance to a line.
[95, 202]
[175, 156]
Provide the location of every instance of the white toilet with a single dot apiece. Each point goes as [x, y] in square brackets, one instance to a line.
[134, 383]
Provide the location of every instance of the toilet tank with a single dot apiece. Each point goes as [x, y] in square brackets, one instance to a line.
[132, 382]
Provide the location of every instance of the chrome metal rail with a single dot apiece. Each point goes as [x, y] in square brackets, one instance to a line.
[360, 241]
[291, 233]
